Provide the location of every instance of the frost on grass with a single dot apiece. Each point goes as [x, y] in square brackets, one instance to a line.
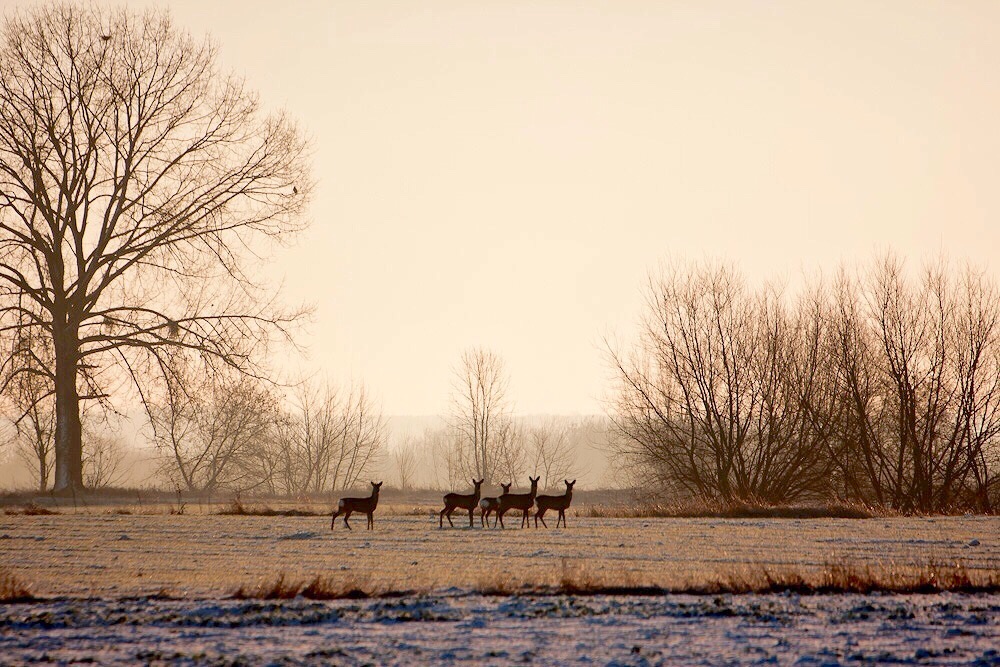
[473, 629]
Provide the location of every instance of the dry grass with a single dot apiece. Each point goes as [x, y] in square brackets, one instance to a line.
[29, 509]
[319, 588]
[211, 556]
[12, 589]
[729, 511]
[931, 577]
[832, 579]
[237, 508]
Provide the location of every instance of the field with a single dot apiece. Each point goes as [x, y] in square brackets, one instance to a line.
[159, 588]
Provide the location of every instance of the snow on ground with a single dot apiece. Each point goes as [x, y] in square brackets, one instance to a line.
[457, 628]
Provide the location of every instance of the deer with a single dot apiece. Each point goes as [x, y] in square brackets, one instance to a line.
[518, 501]
[347, 506]
[489, 505]
[465, 501]
[560, 503]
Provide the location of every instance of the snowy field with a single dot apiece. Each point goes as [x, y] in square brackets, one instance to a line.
[105, 577]
[447, 629]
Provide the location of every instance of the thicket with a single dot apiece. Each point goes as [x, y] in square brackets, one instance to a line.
[877, 387]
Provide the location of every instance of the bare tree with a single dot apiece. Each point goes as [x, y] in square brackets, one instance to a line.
[32, 413]
[551, 453]
[707, 400]
[440, 449]
[327, 439]
[102, 460]
[207, 426]
[918, 363]
[136, 180]
[485, 442]
[29, 401]
[359, 437]
[405, 460]
[511, 453]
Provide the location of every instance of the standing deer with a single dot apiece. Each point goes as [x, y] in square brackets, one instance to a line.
[519, 501]
[560, 503]
[466, 501]
[488, 505]
[347, 506]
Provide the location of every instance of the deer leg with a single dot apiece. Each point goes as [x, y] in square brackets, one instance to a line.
[540, 514]
[471, 510]
[441, 517]
[334, 518]
[482, 521]
[500, 519]
[371, 521]
[562, 515]
[450, 510]
[524, 519]
[347, 515]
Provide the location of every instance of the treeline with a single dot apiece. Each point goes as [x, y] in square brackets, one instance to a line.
[234, 433]
[221, 431]
[876, 386]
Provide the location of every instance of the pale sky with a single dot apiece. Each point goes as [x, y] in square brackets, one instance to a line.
[504, 174]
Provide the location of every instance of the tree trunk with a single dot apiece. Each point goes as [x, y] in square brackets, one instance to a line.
[68, 440]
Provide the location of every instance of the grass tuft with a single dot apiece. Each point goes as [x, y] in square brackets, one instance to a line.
[279, 589]
[319, 588]
[12, 589]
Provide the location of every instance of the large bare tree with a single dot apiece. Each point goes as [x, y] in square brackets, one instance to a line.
[136, 179]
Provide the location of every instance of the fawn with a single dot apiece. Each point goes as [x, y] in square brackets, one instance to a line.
[488, 505]
[560, 503]
[518, 501]
[347, 506]
[454, 501]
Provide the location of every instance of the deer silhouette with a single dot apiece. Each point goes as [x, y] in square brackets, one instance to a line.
[465, 501]
[347, 506]
[560, 503]
[519, 501]
[490, 505]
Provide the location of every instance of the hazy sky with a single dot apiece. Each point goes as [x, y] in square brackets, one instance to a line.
[505, 173]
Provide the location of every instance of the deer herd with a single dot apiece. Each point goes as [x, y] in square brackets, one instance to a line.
[498, 506]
